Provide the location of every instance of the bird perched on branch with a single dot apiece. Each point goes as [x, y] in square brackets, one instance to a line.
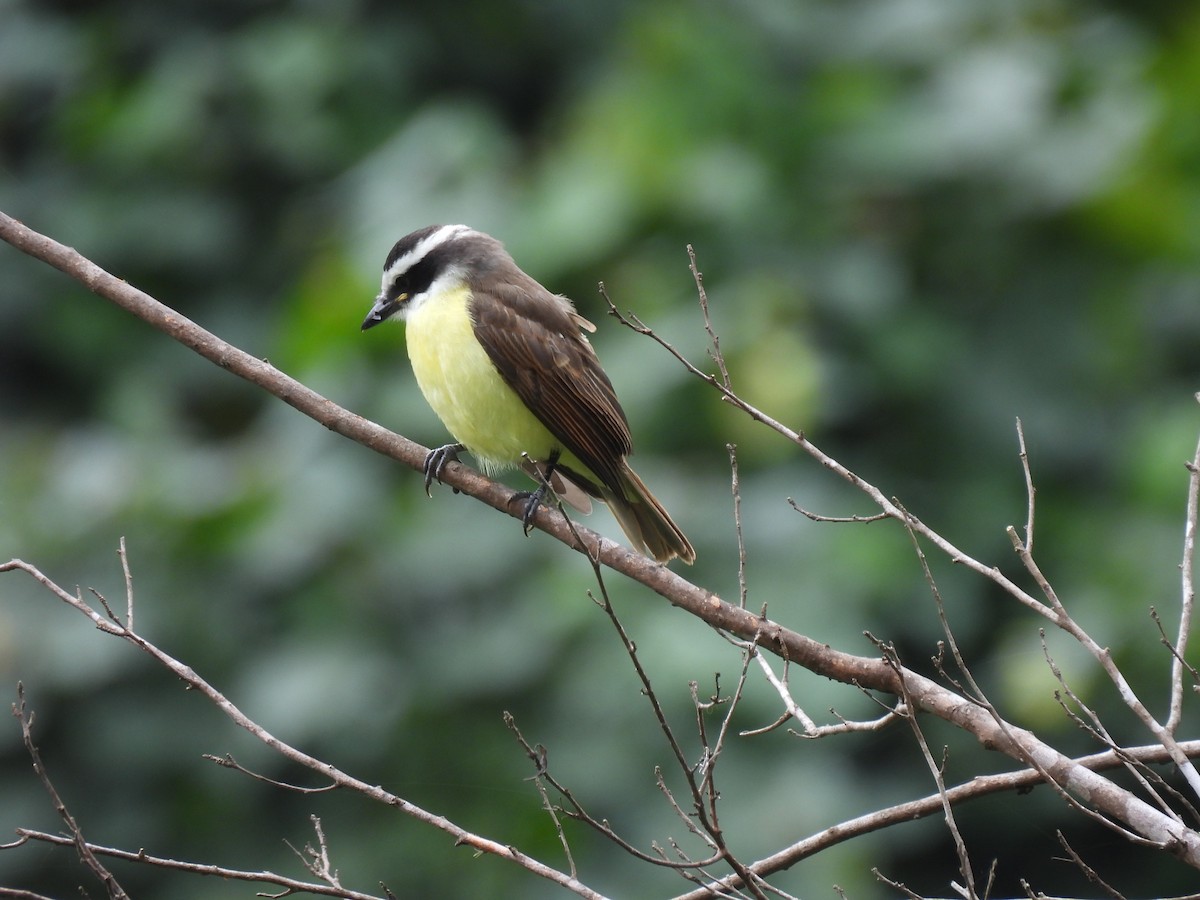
[505, 365]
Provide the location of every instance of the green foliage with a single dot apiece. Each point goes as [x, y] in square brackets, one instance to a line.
[917, 222]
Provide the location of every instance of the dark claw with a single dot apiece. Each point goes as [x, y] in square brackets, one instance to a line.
[436, 462]
[533, 500]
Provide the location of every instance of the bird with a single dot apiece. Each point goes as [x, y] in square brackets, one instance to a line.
[506, 366]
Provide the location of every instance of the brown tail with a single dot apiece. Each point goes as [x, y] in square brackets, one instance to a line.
[646, 523]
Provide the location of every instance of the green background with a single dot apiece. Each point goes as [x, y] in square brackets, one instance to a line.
[918, 220]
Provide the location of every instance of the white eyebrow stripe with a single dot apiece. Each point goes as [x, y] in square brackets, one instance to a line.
[417, 253]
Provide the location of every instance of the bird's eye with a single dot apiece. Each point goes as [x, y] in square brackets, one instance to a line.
[399, 289]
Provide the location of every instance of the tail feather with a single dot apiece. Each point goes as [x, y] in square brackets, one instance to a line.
[645, 522]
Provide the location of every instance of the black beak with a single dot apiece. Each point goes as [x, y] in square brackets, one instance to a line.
[381, 310]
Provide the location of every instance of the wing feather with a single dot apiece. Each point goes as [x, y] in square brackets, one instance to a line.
[533, 338]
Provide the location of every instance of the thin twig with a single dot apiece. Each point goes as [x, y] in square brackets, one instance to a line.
[708, 820]
[1173, 650]
[937, 770]
[18, 894]
[714, 341]
[736, 488]
[792, 709]
[227, 761]
[316, 859]
[538, 755]
[128, 584]
[580, 814]
[896, 885]
[1089, 873]
[1030, 490]
[289, 885]
[1188, 592]
[25, 717]
[838, 520]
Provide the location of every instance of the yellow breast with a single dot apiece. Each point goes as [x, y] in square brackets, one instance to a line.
[463, 387]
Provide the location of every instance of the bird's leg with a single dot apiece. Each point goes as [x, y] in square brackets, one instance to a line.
[436, 462]
[534, 499]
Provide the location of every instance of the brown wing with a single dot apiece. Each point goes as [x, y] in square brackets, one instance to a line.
[532, 337]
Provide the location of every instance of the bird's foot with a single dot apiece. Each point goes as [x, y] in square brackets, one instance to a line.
[436, 462]
[533, 501]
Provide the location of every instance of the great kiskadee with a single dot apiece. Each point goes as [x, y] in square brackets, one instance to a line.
[503, 363]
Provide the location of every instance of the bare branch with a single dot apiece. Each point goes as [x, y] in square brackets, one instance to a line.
[25, 717]
[1087, 870]
[837, 520]
[737, 523]
[316, 859]
[896, 885]
[714, 342]
[288, 885]
[228, 762]
[1188, 570]
[19, 894]
[1030, 490]
[688, 821]
[538, 755]
[792, 710]
[128, 584]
